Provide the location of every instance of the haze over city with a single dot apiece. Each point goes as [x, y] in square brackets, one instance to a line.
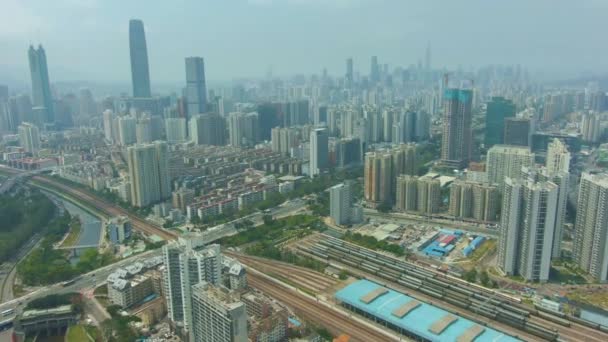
[303, 171]
[87, 40]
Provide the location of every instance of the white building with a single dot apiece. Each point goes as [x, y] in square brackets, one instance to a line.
[29, 137]
[527, 228]
[340, 199]
[558, 157]
[218, 315]
[590, 248]
[506, 161]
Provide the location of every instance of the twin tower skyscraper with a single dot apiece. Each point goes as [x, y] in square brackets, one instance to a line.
[196, 88]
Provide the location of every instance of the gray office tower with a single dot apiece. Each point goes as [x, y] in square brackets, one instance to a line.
[41, 88]
[140, 72]
[196, 88]
[349, 72]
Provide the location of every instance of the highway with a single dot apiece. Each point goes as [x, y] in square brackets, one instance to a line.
[83, 283]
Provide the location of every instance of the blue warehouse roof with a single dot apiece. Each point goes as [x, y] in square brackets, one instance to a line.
[421, 319]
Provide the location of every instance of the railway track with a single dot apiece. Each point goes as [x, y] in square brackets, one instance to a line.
[469, 297]
[310, 280]
[310, 310]
[108, 208]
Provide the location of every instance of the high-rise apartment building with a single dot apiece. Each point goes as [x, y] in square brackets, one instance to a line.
[185, 267]
[41, 88]
[127, 130]
[140, 72]
[562, 180]
[418, 194]
[340, 202]
[407, 192]
[143, 130]
[474, 200]
[217, 315]
[108, 125]
[29, 137]
[176, 131]
[208, 129]
[319, 151]
[506, 161]
[283, 139]
[243, 129]
[497, 110]
[149, 173]
[196, 86]
[378, 178]
[558, 157]
[590, 127]
[527, 227]
[457, 137]
[590, 248]
[428, 195]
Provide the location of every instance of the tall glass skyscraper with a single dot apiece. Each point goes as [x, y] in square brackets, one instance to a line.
[497, 111]
[41, 88]
[196, 87]
[140, 72]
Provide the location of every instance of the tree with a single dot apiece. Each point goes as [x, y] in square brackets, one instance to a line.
[484, 279]
[470, 276]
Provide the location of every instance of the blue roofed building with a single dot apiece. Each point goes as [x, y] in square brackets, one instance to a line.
[412, 318]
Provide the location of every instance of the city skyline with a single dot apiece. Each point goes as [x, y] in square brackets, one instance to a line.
[99, 51]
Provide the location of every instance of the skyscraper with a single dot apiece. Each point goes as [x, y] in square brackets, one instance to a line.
[518, 132]
[527, 227]
[374, 75]
[140, 72]
[108, 125]
[319, 151]
[340, 199]
[589, 250]
[41, 88]
[457, 137]
[29, 137]
[149, 173]
[497, 111]
[196, 86]
[349, 73]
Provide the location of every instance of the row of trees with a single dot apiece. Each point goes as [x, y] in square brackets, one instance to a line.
[372, 243]
[22, 216]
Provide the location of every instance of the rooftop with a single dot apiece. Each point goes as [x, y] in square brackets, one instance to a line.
[424, 320]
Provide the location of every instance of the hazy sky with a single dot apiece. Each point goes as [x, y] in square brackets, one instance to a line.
[88, 39]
